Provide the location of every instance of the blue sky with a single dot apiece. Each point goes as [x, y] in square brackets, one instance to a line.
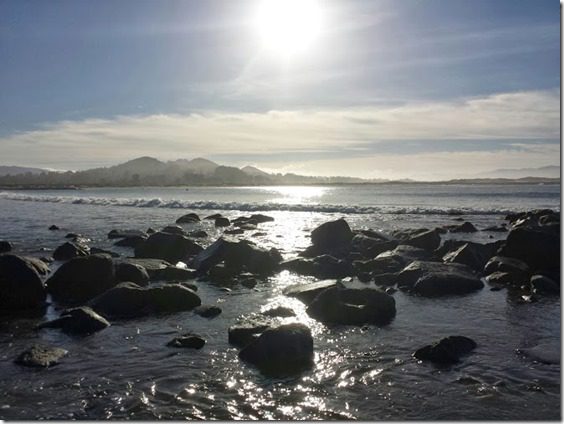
[387, 88]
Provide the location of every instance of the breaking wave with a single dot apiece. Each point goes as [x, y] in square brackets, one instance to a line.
[249, 207]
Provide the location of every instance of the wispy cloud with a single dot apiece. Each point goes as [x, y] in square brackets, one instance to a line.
[514, 117]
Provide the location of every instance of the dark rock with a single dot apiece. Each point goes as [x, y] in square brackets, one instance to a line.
[433, 285]
[540, 249]
[542, 284]
[214, 216]
[95, 250]
[447, 350]
[150, 231]
[5, 246]
[248, 282]
[385, 279]
[20, 283]
[332, 234]
[519, 270]
[234, 231]
[281, 351]
[40, 356]
[130, 272]
[466, 227]
[546, 353]
[390, 290]
[167, 246]
[198, 234]
[475, 255]
[191, 286]
[173, 229]
[207, 311]
[188, 219]
[279, 311]
[371, 246]
[72, 236]
[428, 240]
[323, 266]
[130, 241]
[70, 250]
[82, 278]
[222, 222]
[220, 272]
[498, 229]
[191, 341]
[308, 291]
[342, 305]
[249, 328]
[82, 320]
[115, 234]
[172, 273]
[54, 228]
[401, 255]
[503, 278]
[408, 276]
[152, 266]
[128, 300]
[260, 218]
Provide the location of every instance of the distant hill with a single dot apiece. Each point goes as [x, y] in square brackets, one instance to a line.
[552, 171]
[17, 170]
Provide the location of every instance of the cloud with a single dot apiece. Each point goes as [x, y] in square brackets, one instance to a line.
[517, 117]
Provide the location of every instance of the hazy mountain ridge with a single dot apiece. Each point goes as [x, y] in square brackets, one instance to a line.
[552, 171]
[18, 170]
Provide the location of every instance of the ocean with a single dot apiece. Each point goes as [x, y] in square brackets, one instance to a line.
[366, 373]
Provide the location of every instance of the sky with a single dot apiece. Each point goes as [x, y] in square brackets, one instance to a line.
[423, 89]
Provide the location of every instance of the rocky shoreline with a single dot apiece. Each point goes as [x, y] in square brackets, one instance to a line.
[358, 272]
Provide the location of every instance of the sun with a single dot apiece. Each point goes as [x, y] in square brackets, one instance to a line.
[287, 27]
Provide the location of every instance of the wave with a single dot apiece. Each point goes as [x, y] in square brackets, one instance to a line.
[250, 207]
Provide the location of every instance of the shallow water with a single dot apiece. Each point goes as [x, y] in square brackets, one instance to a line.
[126, 371]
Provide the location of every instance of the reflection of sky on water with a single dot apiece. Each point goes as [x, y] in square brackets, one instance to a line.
[296, 194]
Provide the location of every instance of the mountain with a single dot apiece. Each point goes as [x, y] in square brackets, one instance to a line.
[17, 170]
[197, 166]
[552, 171]
[254, 172]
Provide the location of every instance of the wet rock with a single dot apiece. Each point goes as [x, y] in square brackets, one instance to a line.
[408, 276]
[150, 231]
[21, 286]
[428, 240]
[167, 246]
[130, 241]
[308, 291]
[95, 250]
[249, 328]
[340, 305]
[546, 353]
[130, 272]
[54, 228]
[82, 320]
[475, 255]
[188, 219]
[503, 278]
[279, 311]
[369, 247]
[115, 234]
[174, 229]
[280, 351]
[447, 351]
[191, 341]
[207, 311]
[235, 231]
[214, 216]
[5, 246]
[332, 234]
[466, 227]
[390, 290]
[82, 278]
[323, 266]
[128, 300]
[519, 270]
[72, 236]
[39, 356]
[222, 222]
[70, 250]
[400, 256]
[540, 249]
[152, 266]
[172, 273]
[434, 285]
[385, 279]
[542, 284]
[198, 234]
[498, 229]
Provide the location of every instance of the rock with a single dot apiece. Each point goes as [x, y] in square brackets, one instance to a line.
[408, 276]
[54, 228]
[308, 291]
[128, 300]
[390, 290]
[519, 270]
[279, 311]
[72, 236]
[188, 219]
[542, 284]
[385, 279]
[369, 247]
[172, 273]
[234, 231]
[70, 250]
[115, 234]
[40, 356]
[214, 216]
[447, 350]
[249, 328]
[20, 283]
[130, 241]
[540, 249]
[332, 234]
[401, 255]
[428, 240]
[167, 246]
[152, 266]
[281, 351]
[198, 234]
[503, 278]
[433, 285]
[130, 272]
[475, 255]
[260, 218]
[5, 246]
[340, 305]
[222, 222]
[82, 320]
[466, 227]
[192, 341]
[150, 231]
[499, 229]
[82, 278]
[174, 229]
[546, 353]
[95, 250]
[207, 311]
[323, 266]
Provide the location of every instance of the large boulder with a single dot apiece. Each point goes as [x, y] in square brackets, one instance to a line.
[222, 222]
[5, 246]
[249, 328]
[115, 234]
[428, 240]
[542, 284]
[281, 351]
[83, 278]
[332, 234]
[82, 320]
[340, 305]
[466, 227]
[323, 266]
[189, 218]
[40, 356]
[409, 275]
[370, 246]
[21, 286]
[447, 351]
[518, 269]
[538, 248]
[434, 285]
[128, 300]
[132, 241]
[475, 255]
[126, 271]
[167, 246]
[70, 250]
[152, 266]
[396, 259]
[308, 291]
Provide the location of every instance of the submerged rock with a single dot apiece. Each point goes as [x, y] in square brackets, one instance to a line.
[188, 219]
[20, 283]
[280, 351]
[40, 356]
[115, 234]
[192, 341]
[546, 353]
[279, 311]
[82, 320]
[447, 351]
[207, 311]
